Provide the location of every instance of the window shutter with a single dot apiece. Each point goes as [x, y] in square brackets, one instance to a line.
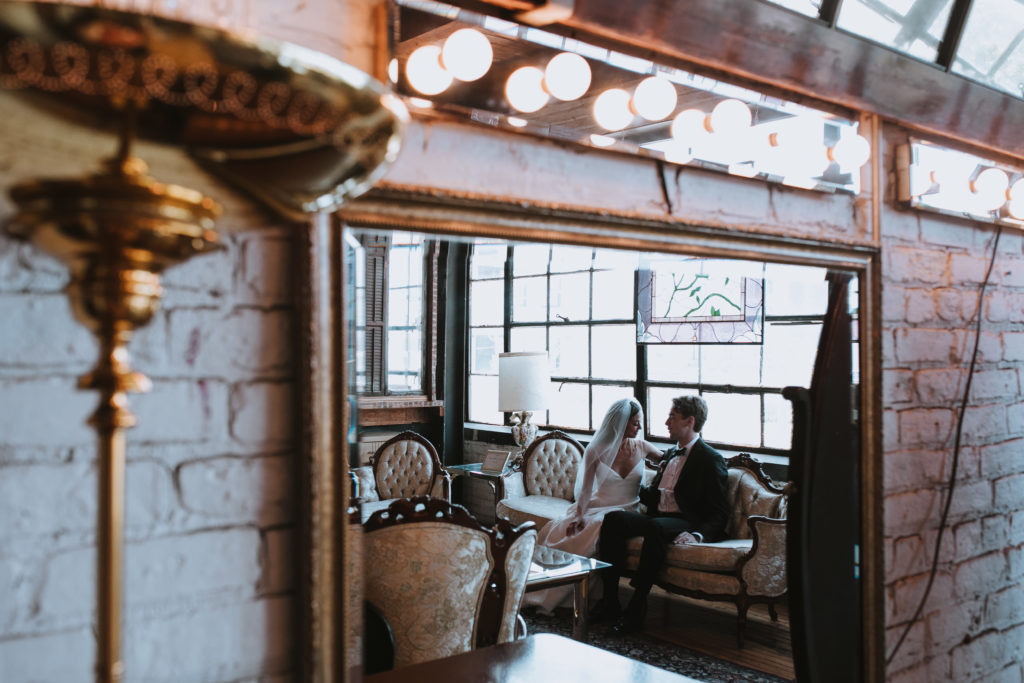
[376, 311]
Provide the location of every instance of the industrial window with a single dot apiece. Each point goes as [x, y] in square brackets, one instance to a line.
[582, 306]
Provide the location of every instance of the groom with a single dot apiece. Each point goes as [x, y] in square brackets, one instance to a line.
[685, 502]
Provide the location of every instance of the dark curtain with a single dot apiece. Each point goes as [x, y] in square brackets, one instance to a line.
[824, 515]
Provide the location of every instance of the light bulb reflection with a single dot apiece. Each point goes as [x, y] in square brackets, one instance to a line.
[729, 117]
[655, 98]
[424, 71]
[688, 126]
[611, 109]
[467, 54]
[1015, 207]
[524, 90]
[1016, 190]
[990, 188]
[567, 76]
[850, 152]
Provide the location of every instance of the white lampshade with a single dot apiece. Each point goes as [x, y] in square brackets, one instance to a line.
[523, 379]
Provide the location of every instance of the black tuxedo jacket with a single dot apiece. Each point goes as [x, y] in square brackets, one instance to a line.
[699, 492]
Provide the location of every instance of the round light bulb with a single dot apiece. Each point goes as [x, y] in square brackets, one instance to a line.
[951, 177]
[1015, 207]
[601, 140]
[655, 98]
[611, 109]
[1017, 189]
[523, 89]
[850, 152]
[567, 76]
[424, 70]
[688, 126]
[990, 188]
[730, 116]
[393, 71]
[467, 54]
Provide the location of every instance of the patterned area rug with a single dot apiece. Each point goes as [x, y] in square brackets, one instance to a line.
[653, 651]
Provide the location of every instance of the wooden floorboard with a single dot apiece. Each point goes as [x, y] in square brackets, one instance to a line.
[710, 628]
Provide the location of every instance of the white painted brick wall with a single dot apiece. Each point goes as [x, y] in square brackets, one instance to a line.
[972, 617]
[210, 509]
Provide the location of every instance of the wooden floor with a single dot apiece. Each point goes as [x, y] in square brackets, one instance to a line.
[710, 628]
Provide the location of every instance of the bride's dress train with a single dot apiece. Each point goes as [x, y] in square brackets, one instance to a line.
[614, 493]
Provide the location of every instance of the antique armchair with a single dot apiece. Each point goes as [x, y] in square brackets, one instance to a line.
[542, 487]
[403, 466]
[445, 583]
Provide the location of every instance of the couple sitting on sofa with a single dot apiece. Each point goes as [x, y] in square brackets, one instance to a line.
[686, 503]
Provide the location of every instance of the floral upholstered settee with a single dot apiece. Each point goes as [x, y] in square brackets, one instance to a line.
[746, 568]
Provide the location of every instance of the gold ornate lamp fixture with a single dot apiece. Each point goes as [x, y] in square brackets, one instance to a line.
[299, 130]
[116, 231]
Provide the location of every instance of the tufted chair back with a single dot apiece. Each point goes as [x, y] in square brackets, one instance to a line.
[751, 492]
[550, 464]
[408, 465]
[444, 583]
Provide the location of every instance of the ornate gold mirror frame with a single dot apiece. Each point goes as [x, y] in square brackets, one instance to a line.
[465, 218]
[299, 130]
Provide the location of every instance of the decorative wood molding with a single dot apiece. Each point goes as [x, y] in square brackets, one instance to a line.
[755, 467]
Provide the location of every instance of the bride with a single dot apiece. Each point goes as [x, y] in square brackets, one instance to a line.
[608, 479]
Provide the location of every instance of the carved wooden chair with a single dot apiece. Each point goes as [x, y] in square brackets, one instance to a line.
[404, 466]
[445, 583]
[542, 488]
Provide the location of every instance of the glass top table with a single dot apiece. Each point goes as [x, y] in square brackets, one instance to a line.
[551, 567]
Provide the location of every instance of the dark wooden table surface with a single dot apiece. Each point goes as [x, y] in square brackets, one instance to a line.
[534, 659]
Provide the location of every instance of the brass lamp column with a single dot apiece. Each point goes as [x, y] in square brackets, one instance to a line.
[116, 230]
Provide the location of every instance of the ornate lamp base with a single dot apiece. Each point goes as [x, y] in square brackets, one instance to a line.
[523, 433]
[116, 231]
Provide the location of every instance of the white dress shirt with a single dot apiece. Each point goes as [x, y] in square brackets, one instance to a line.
[667, 486]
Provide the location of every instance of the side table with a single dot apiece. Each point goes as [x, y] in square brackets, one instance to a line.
[493, 479]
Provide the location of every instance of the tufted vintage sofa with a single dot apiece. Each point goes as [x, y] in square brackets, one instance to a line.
[541, 488]
[404, 466]
[750, 565]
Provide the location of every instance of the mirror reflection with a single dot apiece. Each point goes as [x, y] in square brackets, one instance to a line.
[612, 328]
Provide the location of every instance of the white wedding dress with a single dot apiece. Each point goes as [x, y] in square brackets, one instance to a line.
[613, 493]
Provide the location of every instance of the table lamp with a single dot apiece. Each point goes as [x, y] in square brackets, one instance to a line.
[523, 379]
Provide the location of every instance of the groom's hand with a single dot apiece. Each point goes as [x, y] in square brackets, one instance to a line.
[685, 538]
[574, 528]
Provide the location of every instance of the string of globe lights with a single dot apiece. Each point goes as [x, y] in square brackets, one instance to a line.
[791, 148]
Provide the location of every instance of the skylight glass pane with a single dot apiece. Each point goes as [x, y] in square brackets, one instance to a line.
[914, 27]
[809, 8]
[991, 49]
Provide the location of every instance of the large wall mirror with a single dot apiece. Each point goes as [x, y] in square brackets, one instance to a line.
[621, 310]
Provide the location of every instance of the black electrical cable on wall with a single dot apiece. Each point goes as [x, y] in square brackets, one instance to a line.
[956, 451]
